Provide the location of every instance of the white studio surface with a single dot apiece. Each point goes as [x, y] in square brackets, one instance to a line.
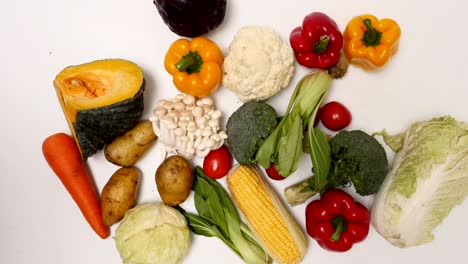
[39, 221]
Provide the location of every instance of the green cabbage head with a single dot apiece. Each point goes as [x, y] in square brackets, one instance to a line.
[428, 179]
[152, 233]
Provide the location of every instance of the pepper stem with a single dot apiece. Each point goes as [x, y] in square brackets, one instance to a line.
[190, 63]
[321, 45]
[340, 226]
[372, 36]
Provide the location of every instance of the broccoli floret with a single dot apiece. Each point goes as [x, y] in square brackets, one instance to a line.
[247, 128]
[358, 158]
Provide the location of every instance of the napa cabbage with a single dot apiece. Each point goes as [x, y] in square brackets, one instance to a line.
[429, 177]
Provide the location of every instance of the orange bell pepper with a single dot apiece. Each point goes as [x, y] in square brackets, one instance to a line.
[370, 42]
[195, 66]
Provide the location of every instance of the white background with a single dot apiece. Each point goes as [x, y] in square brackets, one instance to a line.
[39, 221]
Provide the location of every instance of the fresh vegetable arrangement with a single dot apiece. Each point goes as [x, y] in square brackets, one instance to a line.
[217, 163]
[119, 194]
[318, 43]
[429, 177]
[188, 126]
[370, 42]
[195, 66]
[247, 128]
[258, 64]
[126, 149]
[283, 146]
[336, 221]
[64, 158]
[335, 116]
[174, 179]
[152, 233]
[218, 217]
[103, 104]
[180, 15]
[265, 213]
[356, 158]
[100, 100]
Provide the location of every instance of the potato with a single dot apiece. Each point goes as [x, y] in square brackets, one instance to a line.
[129, 147]
[174, 180]
[119, 194]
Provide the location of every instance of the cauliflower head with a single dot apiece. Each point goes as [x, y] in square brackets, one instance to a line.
[258, 64]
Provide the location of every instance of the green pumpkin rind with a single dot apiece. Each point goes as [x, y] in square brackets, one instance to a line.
[96, 127]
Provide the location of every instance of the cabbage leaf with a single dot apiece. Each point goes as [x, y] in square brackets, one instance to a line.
[152, 233]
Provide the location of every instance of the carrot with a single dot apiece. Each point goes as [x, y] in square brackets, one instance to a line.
[63, 156]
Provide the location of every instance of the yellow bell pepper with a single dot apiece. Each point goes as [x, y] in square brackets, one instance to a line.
[195, 65]
[370, 42]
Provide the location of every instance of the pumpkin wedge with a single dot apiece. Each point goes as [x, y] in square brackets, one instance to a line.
[100, 99]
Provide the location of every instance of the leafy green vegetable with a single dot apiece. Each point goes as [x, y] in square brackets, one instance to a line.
[203, 227]
[247, 128]
[284, 146]
[428, 179]
[356, 158]
[395, 142]
[288, 150]
[320, 154]
[208, 204]
[218, 217]
[152, 233]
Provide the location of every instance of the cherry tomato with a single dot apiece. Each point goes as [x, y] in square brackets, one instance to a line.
[335, 116]
[217, 163]
[273, 173]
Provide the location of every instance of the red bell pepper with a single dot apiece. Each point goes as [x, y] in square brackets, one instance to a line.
[336, 221]
[318, 43]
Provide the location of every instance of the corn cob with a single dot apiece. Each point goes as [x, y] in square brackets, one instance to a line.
[266, 215]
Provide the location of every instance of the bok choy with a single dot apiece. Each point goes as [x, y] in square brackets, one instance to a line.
[218, 217]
